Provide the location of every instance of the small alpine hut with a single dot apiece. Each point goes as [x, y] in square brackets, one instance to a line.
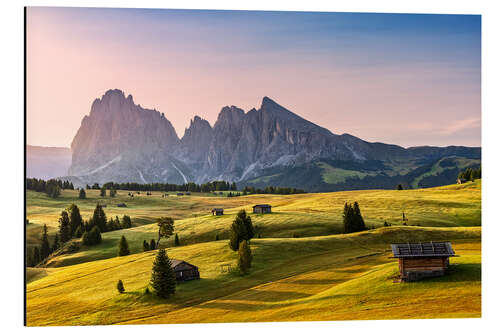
[262, 209]
[421, 260]
[218, 211]
[184, 271]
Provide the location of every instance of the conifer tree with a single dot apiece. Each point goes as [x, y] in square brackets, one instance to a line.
[152, 244]
[56, 245]
[176, 240]
[123, 249]
[44, 246]
[117, 223]
[163, 276]
[64, 227]
[244, 257]
[99, 218]
[36, 256]
[145, 246]
[119, 287]
[86, 238]
[103, 192]
[95, 235]
[241, 229]
[75, 219]
[82, 194]
[78, 232]
[126, 222]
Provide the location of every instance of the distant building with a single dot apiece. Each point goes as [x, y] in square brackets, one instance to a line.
[121, 205]
[184, 271]
[262, 209]
[422, 260]
[188, 193]
[180, 194]
[461, 181]
[218, 211]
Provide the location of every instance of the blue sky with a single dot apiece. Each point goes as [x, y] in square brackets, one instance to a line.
[407, 79]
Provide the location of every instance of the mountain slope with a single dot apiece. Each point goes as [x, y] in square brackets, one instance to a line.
[122, 142]
[47, 162]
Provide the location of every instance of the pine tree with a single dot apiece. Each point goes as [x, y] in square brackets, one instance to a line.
[244, 257]
[95, 235]
[64, 227]
[75, 219]
[165, 228]
[86, 238]
[103, 192]
[36, 256]
[152, 244]
[99, 218]
[78, 232]
[176, 240]
[82, 194]
[145, 246]
[117, 223]
[44, 246]
[400, 187]
[56, 245]
[119, 287]
[123, 249]
[241, 229]
[163, 276]
[126, 222]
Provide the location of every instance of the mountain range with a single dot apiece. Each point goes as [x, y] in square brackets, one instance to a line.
[121, 141]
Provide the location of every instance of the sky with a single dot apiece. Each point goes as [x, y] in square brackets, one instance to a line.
[406, 79]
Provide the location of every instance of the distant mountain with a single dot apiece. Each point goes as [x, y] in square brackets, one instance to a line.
[47, 162]
[122, 142]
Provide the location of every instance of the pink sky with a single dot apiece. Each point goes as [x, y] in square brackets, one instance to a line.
[407, 97]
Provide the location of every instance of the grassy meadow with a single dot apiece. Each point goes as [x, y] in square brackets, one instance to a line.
[304, 268]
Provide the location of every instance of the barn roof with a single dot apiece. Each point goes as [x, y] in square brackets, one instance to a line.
[175, 263]
[262, 206]
[430, 249]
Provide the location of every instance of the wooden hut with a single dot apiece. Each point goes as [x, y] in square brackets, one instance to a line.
[262, 209]
[421, 260]
[218, 211]
[184, 271]
[121, 205]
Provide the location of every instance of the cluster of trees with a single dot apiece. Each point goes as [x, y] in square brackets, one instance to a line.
[51, 187]
[353, 221]
[166, 187]
[470, 174]
[241, 232]
[272, 190]
[39, 253]
[163, 276]
[148, 246]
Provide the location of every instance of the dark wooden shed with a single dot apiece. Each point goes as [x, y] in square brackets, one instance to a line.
[218, 211]
[261, 209]
[421, 260]
[184, 271]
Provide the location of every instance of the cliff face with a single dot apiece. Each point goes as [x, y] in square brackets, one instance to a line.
[122, 142]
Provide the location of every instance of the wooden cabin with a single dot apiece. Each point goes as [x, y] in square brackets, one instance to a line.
[218, 211]
[262, 209]
[180, 194]
[422, 260]
[184, 271]
[121, 205]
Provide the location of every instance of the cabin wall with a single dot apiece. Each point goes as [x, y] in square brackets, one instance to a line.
[416, 268]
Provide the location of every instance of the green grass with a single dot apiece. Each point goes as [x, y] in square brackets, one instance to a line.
[461, 163]
[333, 175]
[301, 215]
[338, 277]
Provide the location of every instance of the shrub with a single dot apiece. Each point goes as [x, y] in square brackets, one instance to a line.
[119, 287]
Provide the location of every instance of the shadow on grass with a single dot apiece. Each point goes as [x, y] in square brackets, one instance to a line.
[266, 295]
[315, 281]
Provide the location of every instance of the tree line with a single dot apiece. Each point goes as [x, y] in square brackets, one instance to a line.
[166, 187]
[470, 174]
[271, 190]
[51, 187]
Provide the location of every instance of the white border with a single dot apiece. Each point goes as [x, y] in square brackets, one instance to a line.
[11, 133]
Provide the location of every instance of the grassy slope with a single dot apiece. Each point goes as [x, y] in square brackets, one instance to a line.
[315, 278]
[301, 215]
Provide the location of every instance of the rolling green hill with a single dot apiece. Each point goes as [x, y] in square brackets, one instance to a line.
[301, 215]
[338, 277]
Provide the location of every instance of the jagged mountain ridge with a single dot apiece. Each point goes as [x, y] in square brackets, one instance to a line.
[123, 142]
